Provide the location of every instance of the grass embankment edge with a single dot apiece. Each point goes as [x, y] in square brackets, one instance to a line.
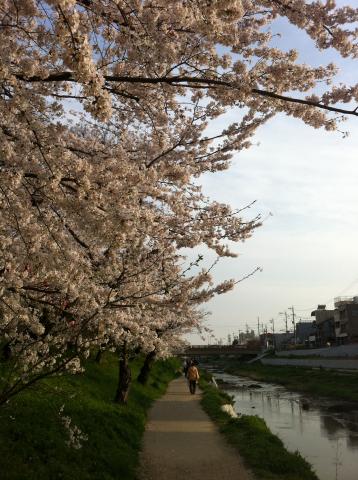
[332, 384]
[34, 440]
[263, 452]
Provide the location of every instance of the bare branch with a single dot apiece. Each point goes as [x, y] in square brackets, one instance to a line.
[188, 82]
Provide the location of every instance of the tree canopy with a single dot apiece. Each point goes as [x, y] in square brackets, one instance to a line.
[104, 109]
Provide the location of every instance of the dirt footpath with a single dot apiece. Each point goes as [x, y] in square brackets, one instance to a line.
[182, 443]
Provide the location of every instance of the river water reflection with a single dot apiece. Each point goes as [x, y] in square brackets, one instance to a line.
[326, 436]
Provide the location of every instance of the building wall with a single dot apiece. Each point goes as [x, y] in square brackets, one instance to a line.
[304, 330]
[352, 318]
[321, 315]
[325, 326]
[346, 322]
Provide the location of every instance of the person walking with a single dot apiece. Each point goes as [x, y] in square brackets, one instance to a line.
[193, 377]
[186, 366]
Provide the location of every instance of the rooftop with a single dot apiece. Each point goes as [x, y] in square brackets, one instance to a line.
[342, 300]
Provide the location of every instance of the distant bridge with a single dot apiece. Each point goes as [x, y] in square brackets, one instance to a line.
[219, 350]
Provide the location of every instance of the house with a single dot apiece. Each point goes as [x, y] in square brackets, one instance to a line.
[325, 326]
[305, 333]
[276, 341]
[283, 340]
[346, 319]
[266, 340]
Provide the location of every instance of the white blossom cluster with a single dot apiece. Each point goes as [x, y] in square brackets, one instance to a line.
[75, 434]
[104, 108]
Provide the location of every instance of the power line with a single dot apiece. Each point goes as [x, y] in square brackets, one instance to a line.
[332, 298]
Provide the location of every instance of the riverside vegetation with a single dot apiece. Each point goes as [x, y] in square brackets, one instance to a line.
[106, 437]
[69, 427]
[262, 451]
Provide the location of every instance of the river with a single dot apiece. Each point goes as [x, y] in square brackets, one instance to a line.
[325, 432]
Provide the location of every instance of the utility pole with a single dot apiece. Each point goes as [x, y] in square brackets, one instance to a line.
[284, 313]
[258, 327]
[286, 321]
[273, 325]
[273, 333]
[265, 331]
[262, 328]
[293, 322]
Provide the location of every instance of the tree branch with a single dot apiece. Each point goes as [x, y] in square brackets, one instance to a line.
[188, 81]
[302, 101]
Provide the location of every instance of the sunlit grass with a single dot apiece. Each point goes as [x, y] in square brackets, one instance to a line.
[33, 438]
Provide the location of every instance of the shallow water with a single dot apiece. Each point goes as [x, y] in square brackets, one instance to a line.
[327, 439]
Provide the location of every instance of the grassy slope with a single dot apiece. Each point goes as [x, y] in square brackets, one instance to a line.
[262, 451]
[33, 439]
[333, 384]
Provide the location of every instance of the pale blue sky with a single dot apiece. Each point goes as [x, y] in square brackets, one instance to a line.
[308, 249]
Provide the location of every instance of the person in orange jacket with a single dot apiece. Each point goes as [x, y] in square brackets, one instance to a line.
[193, 377]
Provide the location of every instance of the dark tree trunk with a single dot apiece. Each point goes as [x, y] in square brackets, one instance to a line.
[6, 351]
[124, 378]
[98, 356]
[145, 370]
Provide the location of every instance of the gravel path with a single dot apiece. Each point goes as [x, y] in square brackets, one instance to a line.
[182, 443]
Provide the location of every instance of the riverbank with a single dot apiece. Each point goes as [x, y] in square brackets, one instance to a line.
[36, 442]
[314, 362]
[262, 451]
[328, 383]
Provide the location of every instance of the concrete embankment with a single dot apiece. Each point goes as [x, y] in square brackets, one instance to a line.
[341, 351]
[335, 364]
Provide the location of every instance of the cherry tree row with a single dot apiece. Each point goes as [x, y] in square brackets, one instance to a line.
[104, 114]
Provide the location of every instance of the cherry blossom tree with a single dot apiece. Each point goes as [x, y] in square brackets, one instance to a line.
[104, 109]
[128, 259]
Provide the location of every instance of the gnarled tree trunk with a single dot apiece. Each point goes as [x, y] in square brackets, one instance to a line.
[6, 351]
[98, 356]
[145, 370]
[124, 377]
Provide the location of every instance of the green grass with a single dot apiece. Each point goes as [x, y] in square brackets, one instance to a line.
[262, 451]
[328, 383]
[33, 439]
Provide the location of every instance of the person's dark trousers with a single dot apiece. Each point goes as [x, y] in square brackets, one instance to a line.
[192, 386]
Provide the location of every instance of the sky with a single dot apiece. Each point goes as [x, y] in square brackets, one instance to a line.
[308, 248]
